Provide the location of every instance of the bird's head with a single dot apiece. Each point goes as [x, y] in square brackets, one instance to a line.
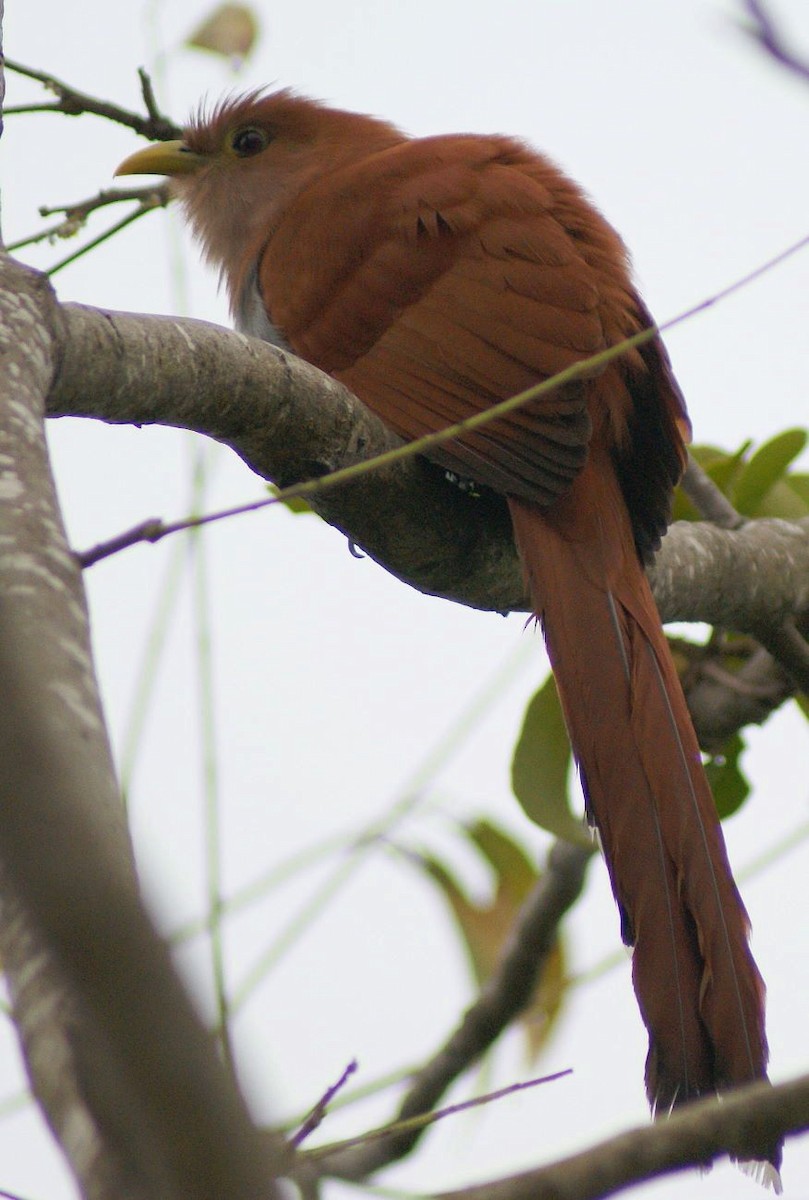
[238, 167]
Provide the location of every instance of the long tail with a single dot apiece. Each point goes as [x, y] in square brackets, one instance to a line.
[698, 988]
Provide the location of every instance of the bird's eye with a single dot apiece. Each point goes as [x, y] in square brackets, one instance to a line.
[249, 141]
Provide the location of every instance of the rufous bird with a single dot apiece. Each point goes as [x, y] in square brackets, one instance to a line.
[434, 277]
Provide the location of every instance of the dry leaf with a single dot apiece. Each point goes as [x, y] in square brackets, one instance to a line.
[486, 925]
[231, 30]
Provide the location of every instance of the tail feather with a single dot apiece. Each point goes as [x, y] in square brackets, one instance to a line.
[698, 988]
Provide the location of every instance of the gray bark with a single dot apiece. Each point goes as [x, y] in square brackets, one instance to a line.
[123, 1070]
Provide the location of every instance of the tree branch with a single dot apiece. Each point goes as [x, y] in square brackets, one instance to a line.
[782, 638]
[506, 993]
[710, 502]
[119, 1060]
[74, 103]
[697, 1134]
[741, 579]
[721, 702]
[762, 28]
[75, 215]
[289, 422]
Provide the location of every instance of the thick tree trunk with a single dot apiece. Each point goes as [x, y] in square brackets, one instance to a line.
[125, 1074]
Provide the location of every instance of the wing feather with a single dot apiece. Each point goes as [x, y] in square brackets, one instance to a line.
[448, 274]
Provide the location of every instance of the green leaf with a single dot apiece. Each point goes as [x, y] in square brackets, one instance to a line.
[783, 500]
[729, 786]
[759, 486]
[721, 466]
[541, 766]
[765, 468]
[799, 484]
[706, 455]
[725, 469]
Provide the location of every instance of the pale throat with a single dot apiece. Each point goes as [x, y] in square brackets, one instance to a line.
[232, 226]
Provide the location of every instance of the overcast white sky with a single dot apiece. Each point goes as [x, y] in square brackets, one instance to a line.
[333, 681]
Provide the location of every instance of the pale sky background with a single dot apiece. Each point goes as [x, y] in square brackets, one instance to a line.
[333, 682]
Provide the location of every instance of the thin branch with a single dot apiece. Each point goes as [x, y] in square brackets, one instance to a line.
[505, 994]
[74, 103]
[154, 196]
[149, 98]
[102, 237]
[709, 500]
[75, 215]
[420, 1123]
[150, 530]
[784, 641]
[20, 110]
[697, 1134]
[316, 1115]
[764, 30]
[209, 768]
[789, 649]
[372, 1087]
[722, 702]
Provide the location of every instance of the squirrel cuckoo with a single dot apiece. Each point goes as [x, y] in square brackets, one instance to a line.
[435, 277]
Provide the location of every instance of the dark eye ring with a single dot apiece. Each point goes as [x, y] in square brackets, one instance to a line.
[249, 141]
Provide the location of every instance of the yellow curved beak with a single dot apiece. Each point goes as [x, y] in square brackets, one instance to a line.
[162, 158]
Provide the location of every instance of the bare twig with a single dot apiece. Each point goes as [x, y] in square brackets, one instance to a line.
[20, 110]
[721, 702]
[709, 500]
[149, 98]
[102, 237]
[75, 215]
[158, 194]
[150, 530]
[696, 1134]
[790, 649]
[316, 1115]
[503, 996]
[420, 1123]
[769, 36]
[74, 103]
